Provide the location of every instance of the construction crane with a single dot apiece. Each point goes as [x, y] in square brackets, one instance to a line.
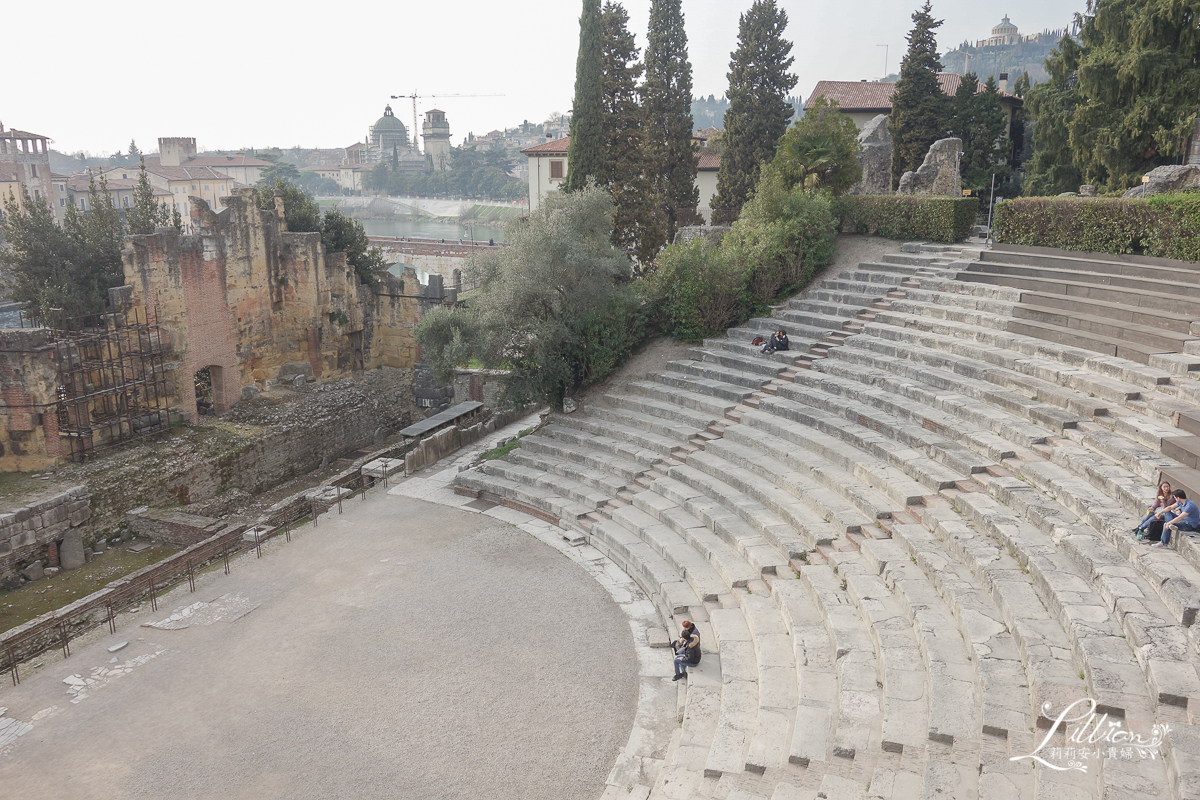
[414, 96]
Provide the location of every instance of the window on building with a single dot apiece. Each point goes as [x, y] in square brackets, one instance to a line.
[556, 170]
[33, 170]
[206, 187]
[37, 195]
[125, 200]
[124, 176]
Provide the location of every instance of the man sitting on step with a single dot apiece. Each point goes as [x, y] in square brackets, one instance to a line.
[1187, 519]
[687, 649]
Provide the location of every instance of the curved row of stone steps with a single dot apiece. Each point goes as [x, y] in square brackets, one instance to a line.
[941, 603]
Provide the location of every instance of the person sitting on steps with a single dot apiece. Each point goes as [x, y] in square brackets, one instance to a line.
[777, 342]
[1187, 519]
[1161, 501]
[687, 649]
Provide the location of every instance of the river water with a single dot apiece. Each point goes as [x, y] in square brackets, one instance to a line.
[431, 229]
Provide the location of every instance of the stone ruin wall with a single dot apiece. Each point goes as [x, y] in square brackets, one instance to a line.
[261, 306]
[28, 422]
[26, 532]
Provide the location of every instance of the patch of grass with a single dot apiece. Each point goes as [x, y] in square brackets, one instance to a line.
[501, 452]
[14, 485]
[33, 599]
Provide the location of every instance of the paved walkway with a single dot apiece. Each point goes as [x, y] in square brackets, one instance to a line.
[401, 650]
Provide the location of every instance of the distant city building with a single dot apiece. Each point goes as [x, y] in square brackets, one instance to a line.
[25, 161]
[182, 174]
[435, 133]
[1002, 34]
[862, 101]
[76, 190]
[387, 133]
[548, 171]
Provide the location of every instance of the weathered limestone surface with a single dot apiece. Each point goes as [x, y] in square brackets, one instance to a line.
[25, 532]
[938, 175]
[28, 377]
[70, 552]
[876, 158]
[1171, 178]
[258, 305]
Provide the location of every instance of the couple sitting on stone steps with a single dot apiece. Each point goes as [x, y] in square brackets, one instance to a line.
[778, 341]
[1154, 527]
[687, 650]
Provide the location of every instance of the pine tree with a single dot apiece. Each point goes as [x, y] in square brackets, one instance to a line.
[1139, 77]
[666, 103]
[758, 109]
[147, 213]
[918, 116]
[979, 121]
[1051, 168]
[584, 153]
[638, 222]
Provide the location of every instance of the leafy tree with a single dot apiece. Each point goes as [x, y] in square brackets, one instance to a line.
[666, 103]
[554, 307]
[147, 213]
[919, 110]
[341, 234]
[821, 150]
[638, 222]
[1051, 105]
[279, 171]
[62, 271]
[300, 212]
[133, 154]
[979, 121]
[758, 111]
[585, 156]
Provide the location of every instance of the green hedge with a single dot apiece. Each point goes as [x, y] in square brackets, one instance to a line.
[1163, 225]
[908, 217]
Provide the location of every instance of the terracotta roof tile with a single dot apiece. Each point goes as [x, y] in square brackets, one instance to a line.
[877, 95]
[709, 161]
[556, 147]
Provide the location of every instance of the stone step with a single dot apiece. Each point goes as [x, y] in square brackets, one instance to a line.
[913, 462]
[562, 509]
[559, 485]
[864, 481]
[660, 580]
[739, 693]
[705, 386]
[720, 372]
[778, 688]
[672, 402]
[565, 445]
[653, 437]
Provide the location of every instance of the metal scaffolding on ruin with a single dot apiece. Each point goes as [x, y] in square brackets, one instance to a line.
[113, 383]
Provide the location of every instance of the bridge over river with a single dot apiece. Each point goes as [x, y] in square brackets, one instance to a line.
[431, 256]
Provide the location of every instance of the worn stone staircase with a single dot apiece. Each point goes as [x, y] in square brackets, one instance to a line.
[906, 541]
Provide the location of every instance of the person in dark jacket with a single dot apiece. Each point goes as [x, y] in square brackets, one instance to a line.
[687, 650]
[777, 342]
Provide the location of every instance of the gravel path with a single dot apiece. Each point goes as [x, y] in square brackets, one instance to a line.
[403, 650]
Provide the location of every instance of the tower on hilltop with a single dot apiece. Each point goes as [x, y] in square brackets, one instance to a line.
[436, 133]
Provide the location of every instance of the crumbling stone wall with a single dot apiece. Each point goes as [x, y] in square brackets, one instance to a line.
[25, 533]
[938, 174]
[259, 305]
[28, 422]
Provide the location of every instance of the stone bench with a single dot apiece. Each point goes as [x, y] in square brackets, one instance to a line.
[912, 461]
[641, 437]
[709, 387]
[685, 541]
[739, 693]
[678, 404]
[720, 372]
[861, 479]
[562, 443]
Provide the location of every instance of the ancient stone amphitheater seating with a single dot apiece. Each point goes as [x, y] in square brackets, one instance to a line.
[907, 541]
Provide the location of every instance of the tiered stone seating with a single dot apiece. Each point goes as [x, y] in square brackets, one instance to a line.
[901, 540]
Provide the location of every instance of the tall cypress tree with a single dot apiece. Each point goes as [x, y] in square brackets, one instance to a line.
[667, 106]
[638, 222]
[147, 213]
[919, 107]
[584, 153]
[758, 108]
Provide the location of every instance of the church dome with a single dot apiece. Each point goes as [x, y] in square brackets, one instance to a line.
[388, 130]
[1004, 28]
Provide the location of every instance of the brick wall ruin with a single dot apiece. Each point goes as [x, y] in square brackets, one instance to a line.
[258, 305]
[245, 299]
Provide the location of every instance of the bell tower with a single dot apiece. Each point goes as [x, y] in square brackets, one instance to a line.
[436, 133]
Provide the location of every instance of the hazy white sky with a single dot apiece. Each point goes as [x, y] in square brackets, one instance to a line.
[258, 74]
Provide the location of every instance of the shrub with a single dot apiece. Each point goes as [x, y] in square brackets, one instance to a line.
[908, 217]
[1164, 225]
[697, 289]
[782, 238]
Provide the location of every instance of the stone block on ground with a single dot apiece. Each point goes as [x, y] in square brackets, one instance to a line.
[382, 467]
[34, 572]
[70, 552]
